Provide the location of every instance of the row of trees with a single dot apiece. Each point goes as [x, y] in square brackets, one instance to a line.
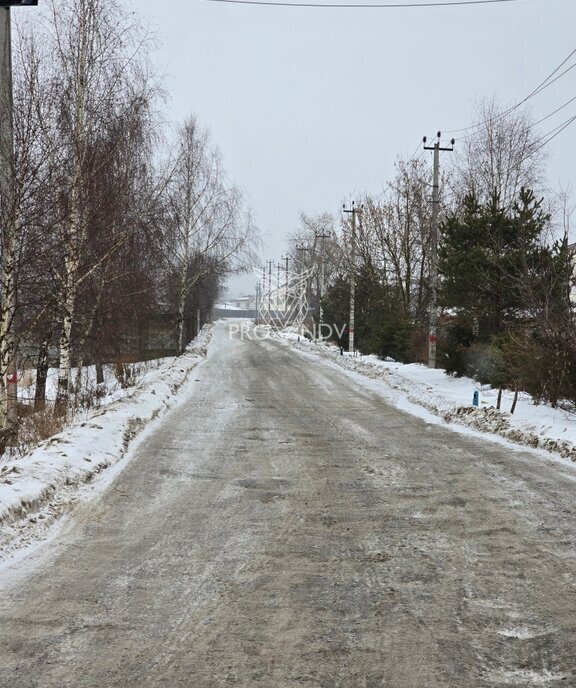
[112, 220]
[505, 264]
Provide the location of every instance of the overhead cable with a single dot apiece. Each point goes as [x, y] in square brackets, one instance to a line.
[361, 5]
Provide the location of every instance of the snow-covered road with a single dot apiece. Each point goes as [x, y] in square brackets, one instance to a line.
[284, 526]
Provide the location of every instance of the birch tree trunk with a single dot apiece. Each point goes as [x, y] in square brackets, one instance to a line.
[7, 339]
[8, 269]
[73, 240]
[65, 366]
[183, 289]
[68, 307]
[181, 308]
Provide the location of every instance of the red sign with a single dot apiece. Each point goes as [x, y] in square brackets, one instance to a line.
[12, 378]
[432, 339]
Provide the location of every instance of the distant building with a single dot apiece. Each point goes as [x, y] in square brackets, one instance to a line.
[244, 303]
[241, 307]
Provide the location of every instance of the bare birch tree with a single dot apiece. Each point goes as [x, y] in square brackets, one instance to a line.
[23, 168]
[207, 218]
[499, 156]
[317, 235]
[95, 52]
[96, 221]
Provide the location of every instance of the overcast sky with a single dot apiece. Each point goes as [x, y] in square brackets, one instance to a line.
[310, 106]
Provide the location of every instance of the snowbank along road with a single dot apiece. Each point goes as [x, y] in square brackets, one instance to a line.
[284, 527]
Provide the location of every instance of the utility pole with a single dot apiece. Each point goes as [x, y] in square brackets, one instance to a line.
[262, 300]
[322, 258]
[433, 307]
[287, 259]
[269, 263]
[278, 291]
[351, 324]
[302, 297]
[262, 292]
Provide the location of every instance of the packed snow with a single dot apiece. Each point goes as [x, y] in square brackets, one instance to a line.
[38, 488]
[417, 388]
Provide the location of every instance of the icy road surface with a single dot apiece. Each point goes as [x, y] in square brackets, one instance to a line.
[283, 527]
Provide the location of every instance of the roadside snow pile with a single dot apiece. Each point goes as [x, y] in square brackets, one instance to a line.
[37, 488]
[450, 398]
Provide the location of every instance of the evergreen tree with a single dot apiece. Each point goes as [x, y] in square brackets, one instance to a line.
[381, 327]
[487, 257]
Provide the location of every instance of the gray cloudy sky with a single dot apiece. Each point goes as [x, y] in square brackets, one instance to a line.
[310, 106]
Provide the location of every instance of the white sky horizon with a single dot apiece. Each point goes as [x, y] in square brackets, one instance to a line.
[312, 106]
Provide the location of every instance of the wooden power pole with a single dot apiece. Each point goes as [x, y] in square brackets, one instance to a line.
[323, 237]
[433, 306]
[351, 322]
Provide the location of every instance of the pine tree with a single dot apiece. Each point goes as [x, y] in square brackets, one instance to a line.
[487, 256]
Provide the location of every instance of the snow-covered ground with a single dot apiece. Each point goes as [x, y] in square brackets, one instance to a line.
[102, 394]
[415, 386]
[36, 489]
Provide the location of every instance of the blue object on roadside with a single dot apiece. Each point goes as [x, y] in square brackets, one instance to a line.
[475, 398]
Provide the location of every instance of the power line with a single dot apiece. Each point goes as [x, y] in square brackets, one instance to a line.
[539, 87]
[539, 143]
[554, 112]
[415, 159]
[560, 127]
[271, 3]
[553, 133]
[548, 81]
[545, 140]
[413, 156]
[566, 125]
[515, 107]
